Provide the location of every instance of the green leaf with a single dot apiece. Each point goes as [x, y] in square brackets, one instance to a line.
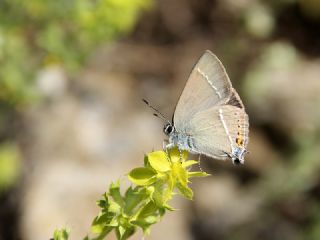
[189, 163]
[120, 232]
[168, 207]
[162, 211]
[126, 232]
[145, 161]
[101, 235]
[100, 222]
[180, 173]
[185, 191]
[142, 176]
[114, 207]
[100, 229]
[148, 215]
[103, 203]
[114, 223]
[97, 228]
[150, 190]
[167, 193]
[61, 234]
[114, 192]
[144, 225]
[149, 209]
[159, 161]
[134, 197]
[198, 174]
[171, 181]
[161, 194]
[157, 197]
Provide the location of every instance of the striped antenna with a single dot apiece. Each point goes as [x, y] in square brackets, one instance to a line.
[157, 112]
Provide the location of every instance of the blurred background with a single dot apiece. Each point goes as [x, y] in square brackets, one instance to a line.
[72, 75]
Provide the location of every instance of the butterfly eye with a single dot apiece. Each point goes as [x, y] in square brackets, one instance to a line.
[167, 129]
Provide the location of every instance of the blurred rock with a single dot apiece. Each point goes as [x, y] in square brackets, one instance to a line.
[222, 205]
[52, 81]
[262, 154]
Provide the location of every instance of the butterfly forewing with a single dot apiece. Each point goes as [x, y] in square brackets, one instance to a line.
[208, 85]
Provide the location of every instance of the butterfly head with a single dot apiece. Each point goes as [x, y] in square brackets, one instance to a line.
[168, 129]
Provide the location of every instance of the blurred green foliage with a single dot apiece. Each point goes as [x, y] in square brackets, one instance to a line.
[9, 165]
[37, 33]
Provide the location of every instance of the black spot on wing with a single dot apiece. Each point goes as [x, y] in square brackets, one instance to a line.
[235, 100]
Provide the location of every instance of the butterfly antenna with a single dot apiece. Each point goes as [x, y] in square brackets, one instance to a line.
[157, 112]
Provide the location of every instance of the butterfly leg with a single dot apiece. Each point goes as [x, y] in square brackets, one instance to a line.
[165, 147]
[169, 145]
[199, 162]
[180, 152]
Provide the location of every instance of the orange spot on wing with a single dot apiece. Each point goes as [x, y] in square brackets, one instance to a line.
[239, 141]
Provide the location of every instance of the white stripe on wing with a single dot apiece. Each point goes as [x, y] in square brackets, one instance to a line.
[225, 127]
[211, 84]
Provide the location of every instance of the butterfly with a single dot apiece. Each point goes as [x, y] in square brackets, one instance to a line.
[209, 118]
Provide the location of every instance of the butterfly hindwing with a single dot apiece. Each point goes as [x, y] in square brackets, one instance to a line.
[217, 130]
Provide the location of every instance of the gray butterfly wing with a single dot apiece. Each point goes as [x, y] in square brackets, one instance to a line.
[210, 112]
[208, 85]
[216, 131]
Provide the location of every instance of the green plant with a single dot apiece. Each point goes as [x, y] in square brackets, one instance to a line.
[144, 204]
[37, 33]
[61, 234]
